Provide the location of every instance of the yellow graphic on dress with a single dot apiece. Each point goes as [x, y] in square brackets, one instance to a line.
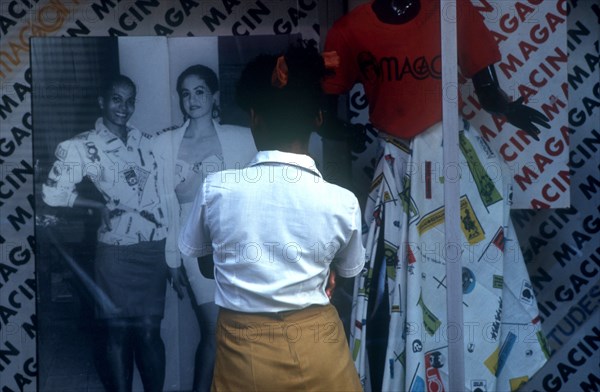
[517, 382]
[470, 225]
[488, 192]
[430, 321]
[492, 361]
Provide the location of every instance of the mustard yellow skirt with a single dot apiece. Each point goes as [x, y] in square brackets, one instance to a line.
[303, 350]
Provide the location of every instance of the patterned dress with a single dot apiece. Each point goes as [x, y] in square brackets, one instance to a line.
[405, 277]
[400, 333]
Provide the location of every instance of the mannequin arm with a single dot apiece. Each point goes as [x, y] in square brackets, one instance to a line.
[495, 101]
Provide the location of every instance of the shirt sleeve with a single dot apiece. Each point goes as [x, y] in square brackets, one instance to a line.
[345, 75]
[477, 48]
[195, 239]
[66, 172]
[350, 259]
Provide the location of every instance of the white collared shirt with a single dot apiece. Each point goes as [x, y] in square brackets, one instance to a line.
[274, 228]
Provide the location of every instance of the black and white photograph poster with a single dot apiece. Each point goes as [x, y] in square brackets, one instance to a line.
[126, 130]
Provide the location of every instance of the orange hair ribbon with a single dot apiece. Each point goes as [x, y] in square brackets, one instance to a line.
[279, 77]
[331, 59]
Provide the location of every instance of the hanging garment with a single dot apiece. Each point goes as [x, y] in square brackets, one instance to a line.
[400, 335]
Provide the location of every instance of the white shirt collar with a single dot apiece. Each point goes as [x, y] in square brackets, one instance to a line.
[287, 158]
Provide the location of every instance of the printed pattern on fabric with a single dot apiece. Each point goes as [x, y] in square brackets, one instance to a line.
[126, 174]
[405, 270]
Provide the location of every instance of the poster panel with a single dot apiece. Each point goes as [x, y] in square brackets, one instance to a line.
[78, 157]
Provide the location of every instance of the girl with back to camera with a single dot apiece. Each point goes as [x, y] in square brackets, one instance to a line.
[274, 229]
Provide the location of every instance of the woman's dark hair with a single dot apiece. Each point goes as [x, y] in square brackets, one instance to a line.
[116, 80]
[290, 109]
[201, 71]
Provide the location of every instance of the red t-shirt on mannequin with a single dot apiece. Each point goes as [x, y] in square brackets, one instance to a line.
[400, 65]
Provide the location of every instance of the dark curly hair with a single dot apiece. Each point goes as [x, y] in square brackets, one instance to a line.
[290, 110]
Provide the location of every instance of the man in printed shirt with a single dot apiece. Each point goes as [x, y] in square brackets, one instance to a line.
[130, 268]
